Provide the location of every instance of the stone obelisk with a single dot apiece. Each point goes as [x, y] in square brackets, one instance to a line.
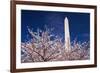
[67, 34]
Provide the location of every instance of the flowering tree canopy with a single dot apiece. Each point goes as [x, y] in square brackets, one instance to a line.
[43, 47]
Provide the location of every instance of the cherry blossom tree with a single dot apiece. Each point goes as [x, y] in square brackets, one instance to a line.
[42, 48]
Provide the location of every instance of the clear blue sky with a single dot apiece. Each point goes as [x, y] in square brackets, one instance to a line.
[79, 23]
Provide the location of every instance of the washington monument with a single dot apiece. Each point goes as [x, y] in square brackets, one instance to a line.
[67, 34]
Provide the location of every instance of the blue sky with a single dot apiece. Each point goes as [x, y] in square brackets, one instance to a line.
[79, 23]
